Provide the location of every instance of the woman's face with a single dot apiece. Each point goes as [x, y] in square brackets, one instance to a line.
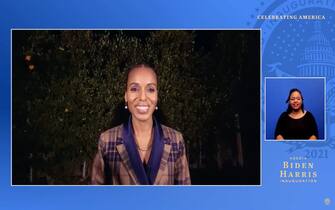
[295, 101]
[141, 95]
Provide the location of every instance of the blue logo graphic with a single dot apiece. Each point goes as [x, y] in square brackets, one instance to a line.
[300, 47]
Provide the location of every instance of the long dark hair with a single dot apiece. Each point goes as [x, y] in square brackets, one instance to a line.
[289, 108]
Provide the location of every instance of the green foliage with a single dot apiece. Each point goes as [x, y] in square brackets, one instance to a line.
[72, 94]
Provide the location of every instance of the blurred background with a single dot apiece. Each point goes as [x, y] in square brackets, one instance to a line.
[68, 87]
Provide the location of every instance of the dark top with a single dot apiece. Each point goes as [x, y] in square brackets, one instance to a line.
[302, 128]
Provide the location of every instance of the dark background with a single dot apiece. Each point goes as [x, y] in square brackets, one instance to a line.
[68, 87]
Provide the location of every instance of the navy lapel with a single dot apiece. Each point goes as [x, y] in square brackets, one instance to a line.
[134, 156]
[156, 152]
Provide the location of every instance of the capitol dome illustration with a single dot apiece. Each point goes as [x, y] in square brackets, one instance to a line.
[318, 58]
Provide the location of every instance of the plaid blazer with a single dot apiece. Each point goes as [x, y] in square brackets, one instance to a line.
[111, 164]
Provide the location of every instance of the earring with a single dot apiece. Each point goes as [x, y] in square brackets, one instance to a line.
[156, 107]
[125, 106]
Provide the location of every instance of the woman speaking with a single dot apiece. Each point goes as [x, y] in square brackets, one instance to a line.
[296, 122]
[141, 151]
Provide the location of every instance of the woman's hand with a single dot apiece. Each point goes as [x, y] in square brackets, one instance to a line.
[279, 137]
[312, 138]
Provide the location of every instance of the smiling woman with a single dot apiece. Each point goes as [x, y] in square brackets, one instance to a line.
[296, 122]
[141, 150]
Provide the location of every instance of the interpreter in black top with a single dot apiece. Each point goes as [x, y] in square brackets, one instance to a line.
[296, 123]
